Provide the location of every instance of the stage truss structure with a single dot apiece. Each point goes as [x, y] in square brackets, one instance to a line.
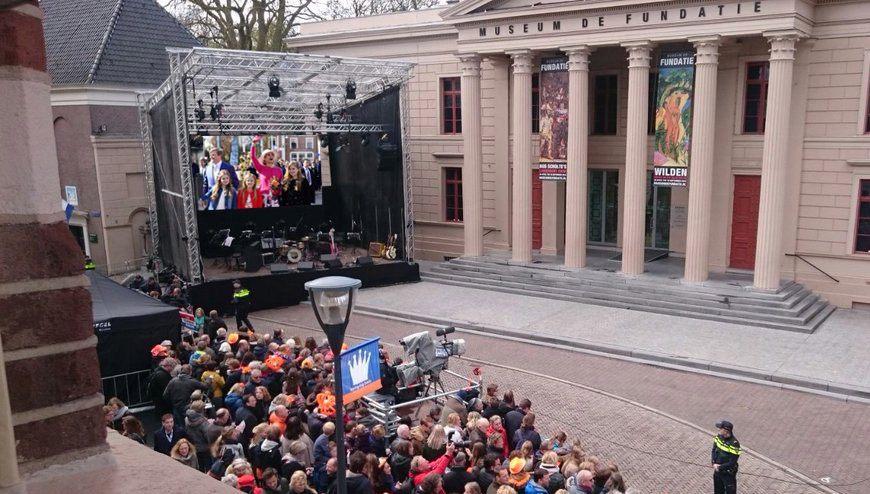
[238, 81]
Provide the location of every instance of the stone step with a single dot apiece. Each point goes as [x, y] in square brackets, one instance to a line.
[628, 300]
[785, 308]
[747, 321]
[792, 307]
[593, 277]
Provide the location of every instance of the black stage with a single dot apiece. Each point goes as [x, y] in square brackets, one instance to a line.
[279, 290]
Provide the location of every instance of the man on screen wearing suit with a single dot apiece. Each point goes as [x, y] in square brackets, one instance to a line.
[211, 171]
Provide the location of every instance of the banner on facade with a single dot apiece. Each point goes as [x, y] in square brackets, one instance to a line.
[673, 124]
[360, 370]
[553, 118]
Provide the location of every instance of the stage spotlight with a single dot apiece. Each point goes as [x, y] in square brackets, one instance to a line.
[200, 111]
[350, 89]
[318, 113]
[274, 87]
[216, 111]
[364, 140]
[385, 137]
[324, 141]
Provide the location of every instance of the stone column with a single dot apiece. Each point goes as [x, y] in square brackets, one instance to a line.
[521, 238]
[578, 153]
[774, 164]
[47, 327]
[472, 164]
[634, 210]
[701, 163]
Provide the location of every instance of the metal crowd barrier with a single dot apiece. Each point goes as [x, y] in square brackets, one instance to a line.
[131, 388]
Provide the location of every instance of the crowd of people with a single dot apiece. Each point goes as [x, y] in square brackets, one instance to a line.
[266, 182]
[257, 411]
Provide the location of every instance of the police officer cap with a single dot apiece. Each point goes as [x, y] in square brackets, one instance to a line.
[725, 425]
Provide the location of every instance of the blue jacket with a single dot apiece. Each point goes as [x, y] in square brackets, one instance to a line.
[321, 452]
[208, 175]
[533, 488]
[231, 200]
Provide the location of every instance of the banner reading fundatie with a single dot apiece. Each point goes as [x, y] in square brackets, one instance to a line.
[553, 119]
[673, 130]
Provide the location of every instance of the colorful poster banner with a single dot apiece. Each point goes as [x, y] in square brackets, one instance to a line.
[673, 126]
[360, 370]
[187, 320]
[553, 119]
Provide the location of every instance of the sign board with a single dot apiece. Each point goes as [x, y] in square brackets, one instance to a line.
[360, 370]
[187, 320]
[553, 119]
[673, 125]
[72, 195]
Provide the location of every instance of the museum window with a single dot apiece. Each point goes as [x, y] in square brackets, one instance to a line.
[755, 97]
[536, 103]
[605, 101]
[453, 194]
[451, 106]
[862, 230]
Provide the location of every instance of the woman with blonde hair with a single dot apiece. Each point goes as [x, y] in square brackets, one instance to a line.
[222, 195]
[436, 444]
[270, 174]
[299, 483]
[454, 428]
[297, 190]
[228, 441]
[250, 196]
[184, 452]
[471, 421]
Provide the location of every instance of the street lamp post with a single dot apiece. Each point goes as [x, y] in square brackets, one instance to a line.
[332, 298]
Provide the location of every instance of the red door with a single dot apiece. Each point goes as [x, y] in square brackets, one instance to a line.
[537, 209]
[744, 221]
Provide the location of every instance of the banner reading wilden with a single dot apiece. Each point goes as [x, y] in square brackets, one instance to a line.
[673, 119]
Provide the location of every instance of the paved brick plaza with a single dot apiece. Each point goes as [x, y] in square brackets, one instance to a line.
[817, 436]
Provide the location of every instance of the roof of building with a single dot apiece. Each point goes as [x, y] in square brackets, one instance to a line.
[114, 42]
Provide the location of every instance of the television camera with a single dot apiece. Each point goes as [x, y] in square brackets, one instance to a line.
[430, 356]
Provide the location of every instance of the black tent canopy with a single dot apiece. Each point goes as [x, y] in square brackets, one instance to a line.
[127, 324]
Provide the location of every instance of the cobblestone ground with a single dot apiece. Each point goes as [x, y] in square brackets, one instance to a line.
[817, 436]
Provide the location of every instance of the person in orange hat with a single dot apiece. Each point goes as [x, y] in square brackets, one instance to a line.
[278, 418]
[519, 477]
[233, 338]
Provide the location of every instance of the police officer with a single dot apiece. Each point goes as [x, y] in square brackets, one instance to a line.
[726, 452]
[242, 302]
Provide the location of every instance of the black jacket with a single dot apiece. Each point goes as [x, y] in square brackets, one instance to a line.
[180, 388]
[156, 386]
[483, 478]
[522, 435]
[246, 414]
[512, 422]
[196, 428]
[164, 445]
[455, 480]
[726, 452]
[400, 466]
[267, 454]
[358, 484]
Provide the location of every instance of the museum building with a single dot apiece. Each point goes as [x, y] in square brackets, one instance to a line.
[775, 125]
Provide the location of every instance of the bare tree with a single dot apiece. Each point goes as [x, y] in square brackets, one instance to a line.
[337, 9]
[260, 25]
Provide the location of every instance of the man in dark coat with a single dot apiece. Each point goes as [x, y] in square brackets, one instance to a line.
[166, 437]
[514, 419]
[458, 476]
[157, 385]
[179, 389]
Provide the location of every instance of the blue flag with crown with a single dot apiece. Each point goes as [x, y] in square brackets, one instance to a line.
[360, 370]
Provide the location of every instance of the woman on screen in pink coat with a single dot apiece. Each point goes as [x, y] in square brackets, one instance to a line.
[270, 173]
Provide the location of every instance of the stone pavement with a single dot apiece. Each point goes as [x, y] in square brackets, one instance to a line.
[648, 419]
[835, 358]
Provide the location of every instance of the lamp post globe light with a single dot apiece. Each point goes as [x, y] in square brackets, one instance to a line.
[332, 298]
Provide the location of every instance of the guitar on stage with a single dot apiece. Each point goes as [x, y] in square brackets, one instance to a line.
[390, 248]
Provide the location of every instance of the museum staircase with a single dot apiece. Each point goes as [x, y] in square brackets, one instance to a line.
[792, 307]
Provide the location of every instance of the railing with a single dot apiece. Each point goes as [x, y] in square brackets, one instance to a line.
[814, 266]
[131, 388]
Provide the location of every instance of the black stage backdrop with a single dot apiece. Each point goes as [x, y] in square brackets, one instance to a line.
[281, 290]
[210, 222]
[167, 186]
[367, 185]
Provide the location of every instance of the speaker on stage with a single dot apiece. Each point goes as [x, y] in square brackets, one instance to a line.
[252, 258]
[330, 262]
[279, 268]
[305, 266]
[364, 261]
[324, 248]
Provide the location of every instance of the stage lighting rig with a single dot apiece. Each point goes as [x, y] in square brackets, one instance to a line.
[318, 113]
[275, 90]
[324, 140]
[364, 140]
[217, 108]
[350, 89]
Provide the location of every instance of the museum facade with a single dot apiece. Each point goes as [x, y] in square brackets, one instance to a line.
[774, 173]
